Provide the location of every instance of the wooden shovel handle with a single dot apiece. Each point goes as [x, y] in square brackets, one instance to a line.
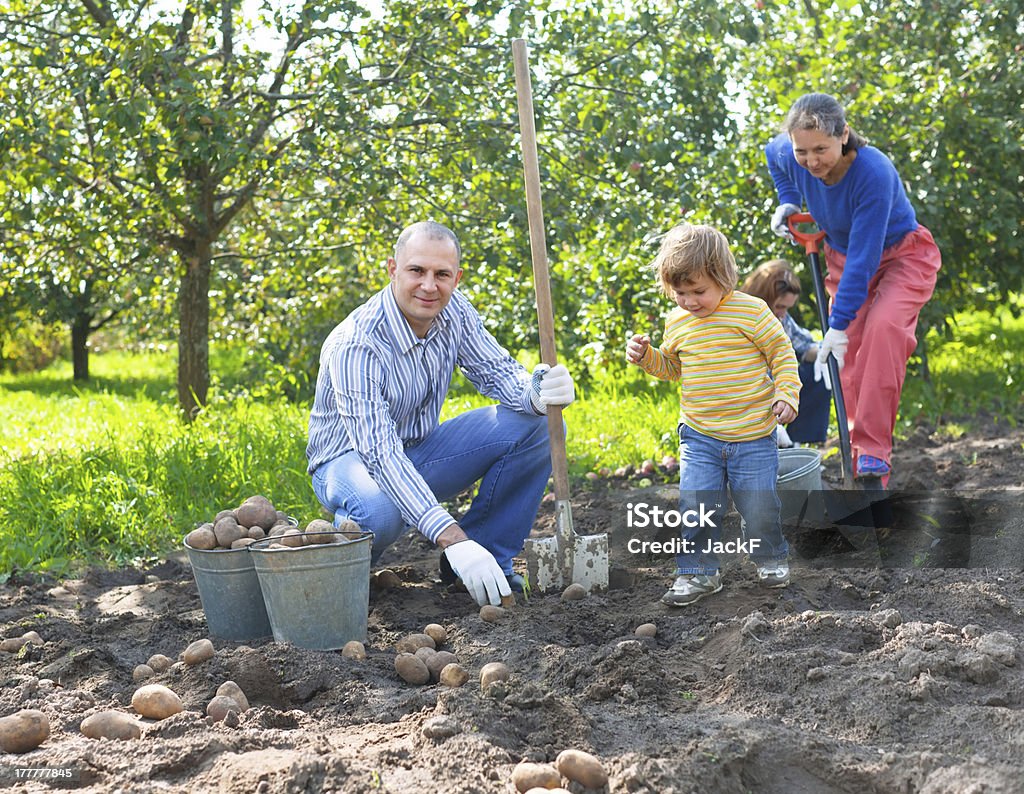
[538, 252]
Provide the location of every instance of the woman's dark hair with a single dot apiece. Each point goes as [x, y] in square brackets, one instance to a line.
[821, 112]
[771, 280]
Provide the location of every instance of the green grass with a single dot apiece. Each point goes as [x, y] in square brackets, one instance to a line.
[978, 371]
[109, 472]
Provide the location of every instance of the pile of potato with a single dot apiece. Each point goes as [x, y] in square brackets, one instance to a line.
[419, 661]
[257, 518]
[315, 533]
[252, 520]
[573, 765]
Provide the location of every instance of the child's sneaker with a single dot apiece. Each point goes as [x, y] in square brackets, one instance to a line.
[691, 588]
[870, 466]
[773, 574]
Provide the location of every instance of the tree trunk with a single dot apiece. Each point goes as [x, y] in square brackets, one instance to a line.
[194, 330]
[79, 349]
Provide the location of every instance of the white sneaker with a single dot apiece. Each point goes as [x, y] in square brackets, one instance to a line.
[773, 574]
[689, 589]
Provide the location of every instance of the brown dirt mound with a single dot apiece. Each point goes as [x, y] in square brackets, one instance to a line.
[892, 663]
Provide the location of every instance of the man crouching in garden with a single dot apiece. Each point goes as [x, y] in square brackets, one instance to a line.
[378, 455]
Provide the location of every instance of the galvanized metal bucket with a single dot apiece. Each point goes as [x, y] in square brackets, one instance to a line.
[229, 589]
[800, 480]
[316, 596]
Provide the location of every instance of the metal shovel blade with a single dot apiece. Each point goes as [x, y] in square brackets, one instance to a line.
[567, 558]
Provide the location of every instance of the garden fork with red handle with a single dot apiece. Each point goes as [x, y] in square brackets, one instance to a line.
[810, 240]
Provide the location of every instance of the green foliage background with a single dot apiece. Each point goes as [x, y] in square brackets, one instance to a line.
[232, 183]
[277, 156]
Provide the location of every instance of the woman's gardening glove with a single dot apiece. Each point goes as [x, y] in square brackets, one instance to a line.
[779, 225]
[834, 342]
[479, 572]
[551, 386]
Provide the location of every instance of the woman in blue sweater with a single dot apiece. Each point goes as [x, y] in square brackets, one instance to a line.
[881, 262]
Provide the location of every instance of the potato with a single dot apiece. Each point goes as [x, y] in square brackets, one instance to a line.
[225, 514]
[241, 543]
[412, 642]
[202, 538]
[582, 768]
[350, 529]
[412, 669]
[493, 671]
[425, 654]
[257, 533]
[439, 661]
[318, 538]
[354, 649]
[198, 651]
[218, 708]
[528, 775]
[319, 525]
[234, 691]
[453, 675]
[646, 630]
[255, 512]
[279, 529]
[142, 672]
[12, 645]
[23, 731]
[227, 532]
[159, 662]
[282, 517]
[508, 601]
[387, 579]
[574, 592]
[541, 790]
[491, 614]
[292, 537]
[156, 702]
[15, 644]
[110, 725]
[436, 632]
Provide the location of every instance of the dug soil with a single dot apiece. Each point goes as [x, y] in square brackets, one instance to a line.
[892, 662]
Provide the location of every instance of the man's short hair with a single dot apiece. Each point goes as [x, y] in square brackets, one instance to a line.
[433, 231]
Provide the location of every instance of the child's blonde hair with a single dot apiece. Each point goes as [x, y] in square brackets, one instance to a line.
[689, 251]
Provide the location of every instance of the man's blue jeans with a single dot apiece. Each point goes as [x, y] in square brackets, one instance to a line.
[507, 452]
[750, 469]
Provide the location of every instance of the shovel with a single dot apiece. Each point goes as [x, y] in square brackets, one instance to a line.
[851, 507]
[566, 558]
[810, 240]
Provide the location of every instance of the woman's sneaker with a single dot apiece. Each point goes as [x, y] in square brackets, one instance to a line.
[870, 466]
[773, 574]
[691, 588]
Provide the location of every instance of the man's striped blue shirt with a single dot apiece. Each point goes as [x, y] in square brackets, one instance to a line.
[380, 390]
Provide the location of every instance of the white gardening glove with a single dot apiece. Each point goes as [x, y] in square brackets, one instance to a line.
[779, 225]
[551, 386]
[479, 572]
[782, 437]
[834, 342]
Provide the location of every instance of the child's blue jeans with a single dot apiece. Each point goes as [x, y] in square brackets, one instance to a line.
[750, 469]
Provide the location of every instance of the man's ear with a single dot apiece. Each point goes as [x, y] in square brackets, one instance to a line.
[392, 267]
[458, 276]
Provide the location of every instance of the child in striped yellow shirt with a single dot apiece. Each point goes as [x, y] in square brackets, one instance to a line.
[738, 380]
